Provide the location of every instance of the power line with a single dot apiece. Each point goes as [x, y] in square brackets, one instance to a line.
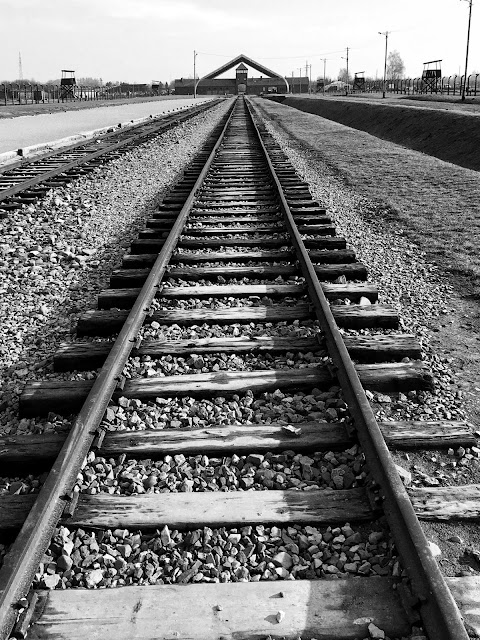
[309, 55]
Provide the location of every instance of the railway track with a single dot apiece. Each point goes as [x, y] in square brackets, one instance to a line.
[225, 467]
[23, 182]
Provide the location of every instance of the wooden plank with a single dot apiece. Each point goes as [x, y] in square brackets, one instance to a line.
[314, 436]
[105, 323]
[136, 261]
[85, 356]
[213, 199]
[228, 206]
[90, 355]
[365, 316]
[108, 322]
[321, 609]
[320, 229]
[14, 510]
[232, 230]
[187, 510]
[353, 271]
[392, 376]
[114, 297]
[124, 298]
[220, 509]
[121, 278]
[242, 439]
[65, 397]
[212, 191]
[213, 509]
[375, 348]
[210, 219]
[428, 434]
[29, 449]
[233, 290]
[233, 210]
[151, 244]
[447, 503]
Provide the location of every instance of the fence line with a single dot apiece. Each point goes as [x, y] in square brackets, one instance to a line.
[448, 85]
[13, 93]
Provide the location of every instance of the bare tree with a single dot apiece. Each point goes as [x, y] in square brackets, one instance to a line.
[395, 66]
[342, 75]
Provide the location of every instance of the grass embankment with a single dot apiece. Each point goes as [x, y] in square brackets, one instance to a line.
[451, 135]
[436, 203]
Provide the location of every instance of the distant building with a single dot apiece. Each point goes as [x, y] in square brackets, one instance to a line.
[242, 84]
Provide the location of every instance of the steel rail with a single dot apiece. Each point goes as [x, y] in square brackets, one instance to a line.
[21, 562]
[87, 157]
[438, 609]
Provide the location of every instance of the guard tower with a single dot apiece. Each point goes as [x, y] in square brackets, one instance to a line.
[68, 85]
[359, 81]
[431, 76]
[242, 72]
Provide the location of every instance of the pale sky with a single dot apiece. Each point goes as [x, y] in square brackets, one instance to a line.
[145, 40]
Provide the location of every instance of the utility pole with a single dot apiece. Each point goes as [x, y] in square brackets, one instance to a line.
[385, 33]
[293, 86]
[468, 43]
[324, 69]
[310, 76]
[346, 84]
[195, 54]
[300, 78]
[20, 70]
[346, 88]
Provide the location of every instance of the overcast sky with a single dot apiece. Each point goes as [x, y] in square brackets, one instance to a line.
[144, 40]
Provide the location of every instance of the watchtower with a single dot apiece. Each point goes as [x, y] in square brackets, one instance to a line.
[67, 85]
[241, 76]
[359, 81]
[431, 75]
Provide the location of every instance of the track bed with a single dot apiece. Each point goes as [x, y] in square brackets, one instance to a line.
[225, 471]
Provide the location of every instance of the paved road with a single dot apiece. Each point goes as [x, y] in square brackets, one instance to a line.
[24, 131]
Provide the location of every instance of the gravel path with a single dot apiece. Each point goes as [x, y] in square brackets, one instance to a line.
[57, 254]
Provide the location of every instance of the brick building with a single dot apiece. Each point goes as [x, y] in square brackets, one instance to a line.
[269, 81]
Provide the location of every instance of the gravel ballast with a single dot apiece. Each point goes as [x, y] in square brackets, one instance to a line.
[121, 557]
[57, 254]
[191, 413]
[295, 329]
[201, 473]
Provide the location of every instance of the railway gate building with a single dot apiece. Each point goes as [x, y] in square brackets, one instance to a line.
[269, 82]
